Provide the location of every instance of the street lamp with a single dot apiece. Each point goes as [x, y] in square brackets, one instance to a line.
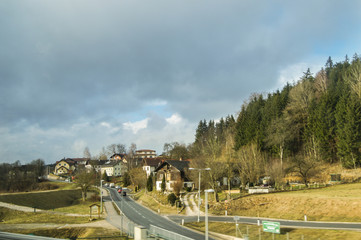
[101, 196]
[199, 187]
[206, 206]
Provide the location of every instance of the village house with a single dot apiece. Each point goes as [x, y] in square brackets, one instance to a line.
[173, 171]
[150, 164]
[114, 168]
[95, 164]
[80, 161]
[119, 156]
[145, 153]
[64, 166]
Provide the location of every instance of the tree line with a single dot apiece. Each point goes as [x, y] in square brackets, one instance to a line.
[316, 120]
[16, 177]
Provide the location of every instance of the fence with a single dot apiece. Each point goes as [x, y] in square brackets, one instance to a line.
[157, 232]
[126, 225]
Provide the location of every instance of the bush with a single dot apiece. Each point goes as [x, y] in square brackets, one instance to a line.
[188, 189]
[172, 198]
[47, 186]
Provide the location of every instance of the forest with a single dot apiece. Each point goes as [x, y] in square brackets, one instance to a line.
[314, 121]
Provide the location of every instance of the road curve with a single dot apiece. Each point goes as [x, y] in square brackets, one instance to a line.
[144, 217]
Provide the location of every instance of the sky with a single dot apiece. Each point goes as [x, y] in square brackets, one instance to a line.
[90, 73]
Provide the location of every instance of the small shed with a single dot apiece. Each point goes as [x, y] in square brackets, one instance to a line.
[94, 209]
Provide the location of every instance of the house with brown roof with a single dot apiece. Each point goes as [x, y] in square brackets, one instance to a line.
[65, 166]
[119, 156]
[173, 171]
[150, 164]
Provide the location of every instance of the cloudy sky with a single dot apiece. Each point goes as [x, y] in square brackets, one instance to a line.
[89, 73]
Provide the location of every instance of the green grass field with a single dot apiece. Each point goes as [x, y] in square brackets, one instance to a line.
[44, 200]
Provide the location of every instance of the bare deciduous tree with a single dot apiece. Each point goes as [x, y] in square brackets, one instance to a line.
[86, 153]
[321, 82]
[84, 180]
[138, 177]
[250, 163]
[353, 77]
[306, 164]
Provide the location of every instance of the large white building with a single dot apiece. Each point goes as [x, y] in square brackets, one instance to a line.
[145, 153]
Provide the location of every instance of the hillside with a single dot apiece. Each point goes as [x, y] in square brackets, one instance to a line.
[336, 203]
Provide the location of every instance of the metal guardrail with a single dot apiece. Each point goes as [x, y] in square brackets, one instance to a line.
[157, 232]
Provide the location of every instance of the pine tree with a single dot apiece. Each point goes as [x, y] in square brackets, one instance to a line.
[150, 183]
[348, 132]
[162, 185]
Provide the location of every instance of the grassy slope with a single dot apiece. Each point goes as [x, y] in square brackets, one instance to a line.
[155, 201]
[16, 217]
[254, 232]
[73, 233]
[336, 203]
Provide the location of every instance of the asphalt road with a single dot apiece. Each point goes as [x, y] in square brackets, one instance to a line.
[144, 217]
[283, 223]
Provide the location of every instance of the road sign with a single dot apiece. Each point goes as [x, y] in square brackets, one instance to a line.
[272, 227]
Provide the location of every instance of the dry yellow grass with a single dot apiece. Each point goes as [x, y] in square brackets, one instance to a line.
[73, 233]
[335, 203]
[156, 201]
[254, 232]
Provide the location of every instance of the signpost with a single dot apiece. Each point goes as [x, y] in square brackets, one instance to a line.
[272, 227]
[236, 218]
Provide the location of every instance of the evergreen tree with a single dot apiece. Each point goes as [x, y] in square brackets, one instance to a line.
[349, 132]
[162, 185]
[105, 177]
[150, 183]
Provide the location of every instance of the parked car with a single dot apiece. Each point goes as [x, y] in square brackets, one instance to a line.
[111, 185]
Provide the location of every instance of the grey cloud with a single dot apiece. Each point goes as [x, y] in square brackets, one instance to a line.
[65, 61]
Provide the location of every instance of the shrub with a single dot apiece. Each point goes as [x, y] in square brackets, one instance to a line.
[150, 183]
[172, 198]
[188, 189]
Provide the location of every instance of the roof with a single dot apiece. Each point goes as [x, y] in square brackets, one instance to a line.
[97, 162]
[118, 154]
[145, 150]
[111, 163]
[153, 162]
[68, 161]
[180, 165]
